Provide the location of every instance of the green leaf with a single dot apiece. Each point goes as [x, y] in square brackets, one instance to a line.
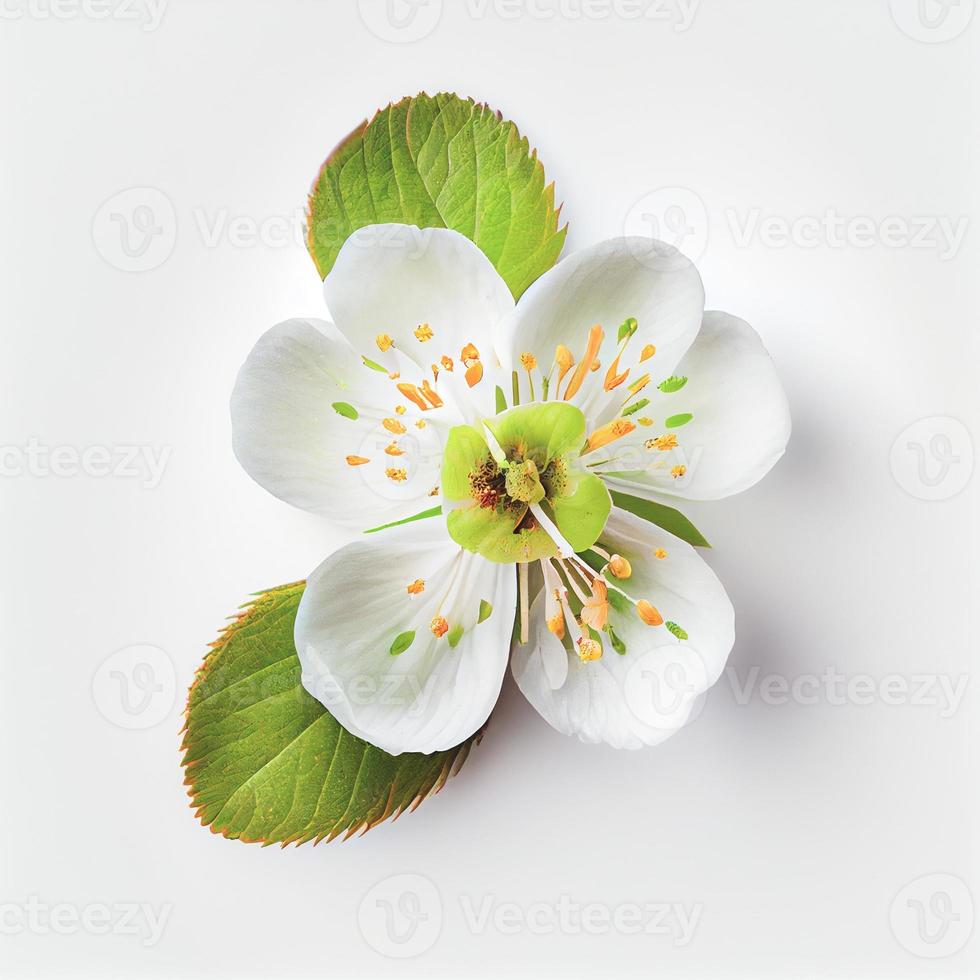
[347, 410]
[440, 162]
[680, 633]
[661, 515]
[265, 762]
[672, 384]
[676, 421]
[421, 516]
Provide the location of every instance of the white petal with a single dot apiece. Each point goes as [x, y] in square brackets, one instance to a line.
[291, 439]
[431, 696]
[391, 279]
[645, 695]
[607, 284]
[740, 423]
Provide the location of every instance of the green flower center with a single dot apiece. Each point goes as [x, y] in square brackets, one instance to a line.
[514, 489]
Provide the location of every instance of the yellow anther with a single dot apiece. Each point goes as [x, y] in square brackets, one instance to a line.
[613, 378]
[619, 567]
[394, 427]
[412, 393]
[529, 361]
[660, 553]
[557, 624]
[678, 471]
[649, 613]
[394, 375]
[585, 365]
[474, 373]
[420, 424]
[357, 460]
[423, 332]
[400, 409]
[647, 352]
[595, 612]
[447, 362]
[596, 364]
[435, 372]
[434, 492]
[439, 626]
[645, 421]
[392, 449]
[384, 342]
[589, 650]
[564, 360]
[396, 475]
[663, 443]
[610, 432]
[416, 588]
[430, 395]
[469, 353]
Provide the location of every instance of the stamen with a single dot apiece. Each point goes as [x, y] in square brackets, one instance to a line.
[412, 393]
[645, 422]
[522, 582]
[447, 363]
[394, 427]
[357, 460]
[608, 433]
[589, 650]
[660, 553]
[648, 352]
[474, 374]
[619, 567]
[585, 365]
[416, 588]
[637, 386]
[439, 626]
[529, 361]
[678, 471]
[392, 449]
[613, 378]
[554, 616]
[396, 475]
[430, 395]
[420, 424]
[595, 612]
[649, 613]
[564, 360]
[400, 409]
[384, 342]
[663, 443]
[423, 333]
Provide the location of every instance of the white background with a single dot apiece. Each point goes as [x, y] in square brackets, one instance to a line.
[790, 827]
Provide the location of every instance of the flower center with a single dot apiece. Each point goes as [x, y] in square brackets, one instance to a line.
[515, 491]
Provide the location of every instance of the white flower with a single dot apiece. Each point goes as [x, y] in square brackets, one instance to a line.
[406, 404]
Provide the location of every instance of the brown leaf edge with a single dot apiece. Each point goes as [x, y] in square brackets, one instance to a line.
[256, 604]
